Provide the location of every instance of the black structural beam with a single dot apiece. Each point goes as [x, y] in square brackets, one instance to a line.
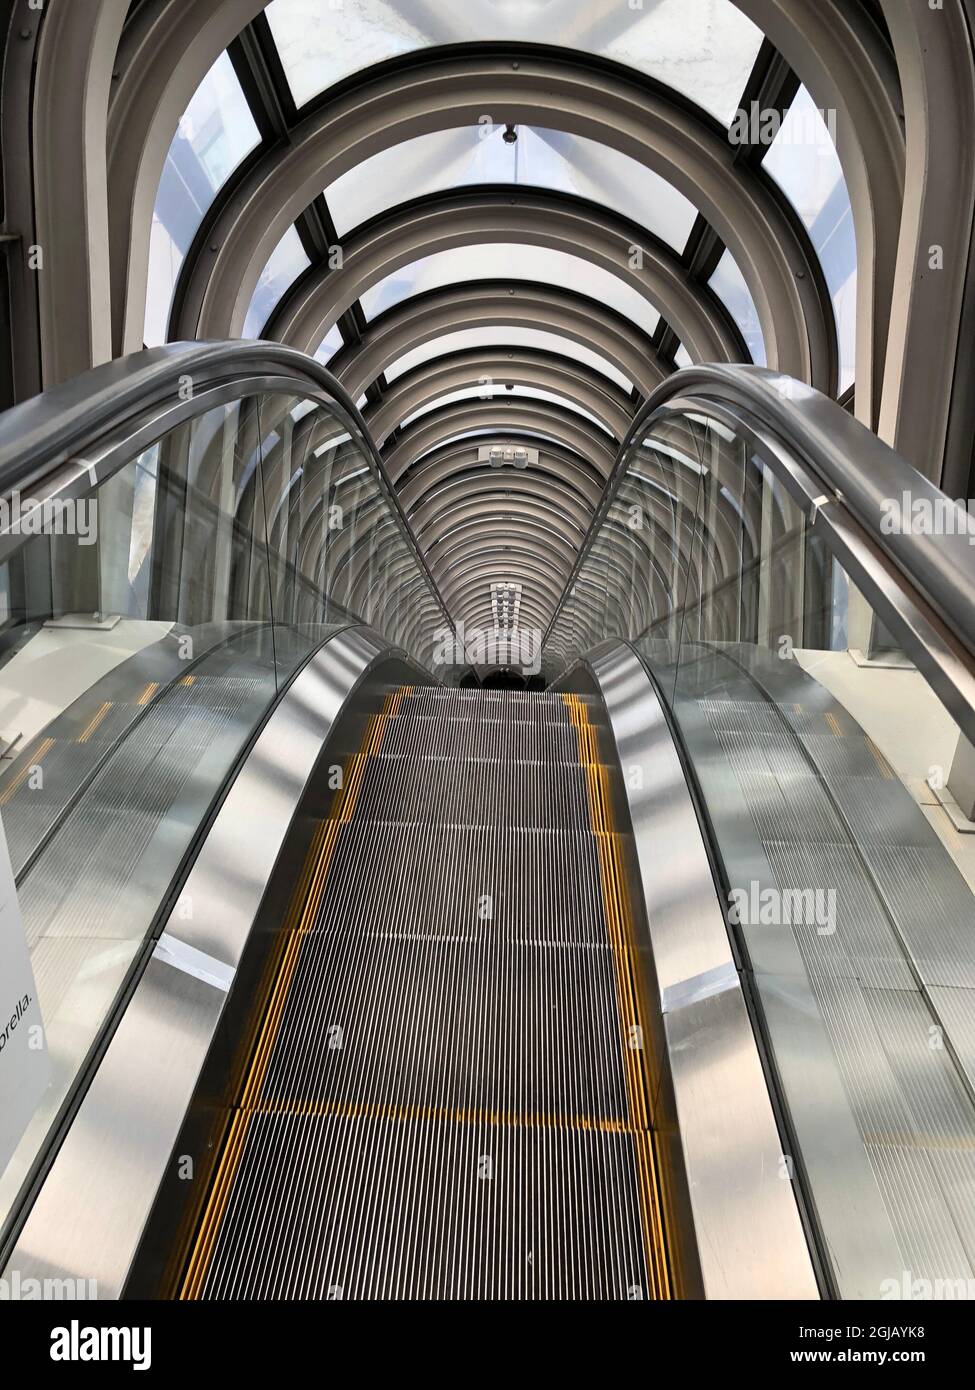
[261, 74]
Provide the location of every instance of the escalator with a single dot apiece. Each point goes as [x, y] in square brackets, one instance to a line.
[448, 1062]
[361, 977]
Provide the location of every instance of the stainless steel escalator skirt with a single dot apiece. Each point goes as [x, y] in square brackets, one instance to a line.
[88, 1218]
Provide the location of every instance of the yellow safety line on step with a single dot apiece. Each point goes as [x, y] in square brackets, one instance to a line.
[148, 693]
[383, 1110]
[318, 864]
[619, 928]
[44, 747]
[94, 722]
[886, 771]
[234, 1129]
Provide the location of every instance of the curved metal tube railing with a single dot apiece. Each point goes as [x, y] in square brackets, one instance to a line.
[60, 426]
[853, 477]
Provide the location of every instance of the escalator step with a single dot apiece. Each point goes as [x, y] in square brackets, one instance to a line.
[432, 736]
[512, 1028]
[429, 1207]
[490, 881]
[474, 792]
[444, 1101]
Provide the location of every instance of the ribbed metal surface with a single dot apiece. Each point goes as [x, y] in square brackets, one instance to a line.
[956, 1009]
[32, 809]
[85, 882]
[426, 1207]
[443, 1103]
[851, 935]
[486, 882]
[164, 722]
[892, 971]
[934, 910]
[474, 791]
[908, 1107]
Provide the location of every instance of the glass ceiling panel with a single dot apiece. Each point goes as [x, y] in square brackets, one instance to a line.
[704, 49]
[539, 158]
[500, 393]
[502, 261]
[803, 161]
[506, 337]
[215, 132]
[330, 345]
[729, 285]
[682, 357]
[288, 260]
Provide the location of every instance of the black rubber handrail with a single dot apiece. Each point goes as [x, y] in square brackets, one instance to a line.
[856, 467]
[66, 421]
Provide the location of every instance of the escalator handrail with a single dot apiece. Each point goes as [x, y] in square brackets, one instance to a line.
[862, 472]
[64, 422]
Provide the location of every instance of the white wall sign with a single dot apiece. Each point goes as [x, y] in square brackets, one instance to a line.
[24, 1063]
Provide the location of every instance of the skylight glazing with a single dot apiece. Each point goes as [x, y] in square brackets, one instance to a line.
[538, 158]
[216, 131]
[704, 49]
[288, 259]
[729, 285]
[804, 162]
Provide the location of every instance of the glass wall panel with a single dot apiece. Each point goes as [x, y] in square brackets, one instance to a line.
[337, 554]
[148, 626]
[849, 894]
[215, 133]
[145, 660]
[804, 162]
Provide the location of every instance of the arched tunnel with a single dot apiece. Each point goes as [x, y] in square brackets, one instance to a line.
[487, 651]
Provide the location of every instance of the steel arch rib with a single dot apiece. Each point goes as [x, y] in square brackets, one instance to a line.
[528, 510]
[522, 417]
[454, 462]
[531, 217]
[414, 390]
[499, 304]
[652, 126]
